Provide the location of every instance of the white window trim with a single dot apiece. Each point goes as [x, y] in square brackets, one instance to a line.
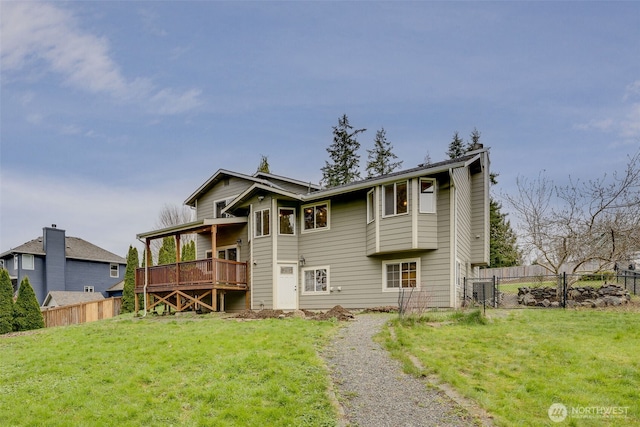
[313, 205]
[395, 196]
[255, 228]
[433, 181]
[15, 262]
[28, 265]
[1, 263]
[111, 270]
[302, 275]
[89, 289]
[294, 221]
[399, 261]
[371, 207]
[226, 203]
[226, 251]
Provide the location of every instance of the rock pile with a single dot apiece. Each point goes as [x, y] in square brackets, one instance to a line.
[338, 312]
[579, 296]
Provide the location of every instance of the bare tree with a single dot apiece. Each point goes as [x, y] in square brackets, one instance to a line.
[596, 221]
[169, 216]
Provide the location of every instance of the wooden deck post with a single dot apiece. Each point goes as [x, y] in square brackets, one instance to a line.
[214, 249]
[222, 300]
[135, 303]
[214, 299]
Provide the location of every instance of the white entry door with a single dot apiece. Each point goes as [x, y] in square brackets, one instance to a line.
[287, 287]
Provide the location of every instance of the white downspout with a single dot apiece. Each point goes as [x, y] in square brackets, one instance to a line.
[454, 241]
[146, 279]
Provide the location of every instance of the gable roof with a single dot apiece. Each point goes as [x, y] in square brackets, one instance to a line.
[76, 248]
[60, 298]
[263, 178]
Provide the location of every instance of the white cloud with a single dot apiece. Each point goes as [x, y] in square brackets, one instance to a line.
[632, 90]
[35, 34]
[104, 215]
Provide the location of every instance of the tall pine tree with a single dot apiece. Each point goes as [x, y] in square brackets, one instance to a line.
[27, 310]
[264, 164]
[128, 294]
[456, 147]
[6, 302]
[381, 157]
[343, 153]
[188, 252]
[503, 240]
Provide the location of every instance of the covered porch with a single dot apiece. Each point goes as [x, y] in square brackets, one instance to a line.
[191, 285]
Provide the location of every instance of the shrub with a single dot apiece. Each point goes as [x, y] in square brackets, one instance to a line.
[27, 310]
[6, 302]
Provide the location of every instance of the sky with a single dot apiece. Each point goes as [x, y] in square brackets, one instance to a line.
[111, 110]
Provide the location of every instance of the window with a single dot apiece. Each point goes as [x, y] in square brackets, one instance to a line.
[27, 262]
[219, 205]
[15, 262]
[1, 263]
[262, 223]
[400, 274]
[427, 195]
[316, 280]
[230, 253]
[395, 198]
[371, 206]
[316, 217]
[88, 288]
[287, 221]
[114, 270]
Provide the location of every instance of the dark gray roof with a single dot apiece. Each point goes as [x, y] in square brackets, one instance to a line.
[60, 298]
[76, 249]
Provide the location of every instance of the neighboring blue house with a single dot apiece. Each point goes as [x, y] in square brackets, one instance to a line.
[55, 262]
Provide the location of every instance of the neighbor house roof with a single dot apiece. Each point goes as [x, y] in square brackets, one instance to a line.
[76, 249]
[60, 298]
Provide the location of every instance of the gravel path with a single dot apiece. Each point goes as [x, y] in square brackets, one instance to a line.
[373, 390]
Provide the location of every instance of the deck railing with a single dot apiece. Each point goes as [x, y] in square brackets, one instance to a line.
[200, 272]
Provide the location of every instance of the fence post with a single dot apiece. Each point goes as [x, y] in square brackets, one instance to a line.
[564, 289]
[495, 292]
[484, 300]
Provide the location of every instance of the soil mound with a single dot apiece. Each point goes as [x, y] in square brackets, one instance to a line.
[338, 312]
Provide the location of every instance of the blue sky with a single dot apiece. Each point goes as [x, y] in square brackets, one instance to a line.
[109, 110]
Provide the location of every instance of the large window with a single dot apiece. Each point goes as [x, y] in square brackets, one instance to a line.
[427, 195]
[287, 217]
[401, 274]
[371, 206]
[395, 198]
[316, 280]
[28, 262]
[261, 225]
[316, 217]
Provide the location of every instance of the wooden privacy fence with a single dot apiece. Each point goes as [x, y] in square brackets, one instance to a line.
[82, 312]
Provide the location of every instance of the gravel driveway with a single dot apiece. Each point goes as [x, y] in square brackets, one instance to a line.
[373, 390]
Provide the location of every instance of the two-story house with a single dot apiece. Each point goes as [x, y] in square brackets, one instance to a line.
[55, 262]
[269, 242]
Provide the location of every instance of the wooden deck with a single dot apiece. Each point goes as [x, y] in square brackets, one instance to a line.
[192, 284]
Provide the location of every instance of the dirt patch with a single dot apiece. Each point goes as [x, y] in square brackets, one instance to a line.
[383, 309]
[338, 312]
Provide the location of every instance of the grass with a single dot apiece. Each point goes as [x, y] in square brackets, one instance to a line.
[516, 364]
[204, 371]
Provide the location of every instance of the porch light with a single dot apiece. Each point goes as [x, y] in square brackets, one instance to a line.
[302, 260]
[239, 242]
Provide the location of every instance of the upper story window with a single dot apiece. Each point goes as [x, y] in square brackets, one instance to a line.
[89, 289]
[219, 205]
[371, 206]
[1, 263]
[316, 217]
[261, 223]
[287, 219]
[395, 198]
[427, 195]
[28, 262]
[15, 262]
[114, 270]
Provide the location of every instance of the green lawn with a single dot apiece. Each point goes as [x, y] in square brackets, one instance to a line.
[204, 371]
[520, 362]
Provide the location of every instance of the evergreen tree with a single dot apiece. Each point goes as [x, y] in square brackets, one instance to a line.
[344, 166]
[189, 251]
[27, 310]
[128, 294]
[427, 160]
[6, 302]
[381, 157]
[503, 241]
[456, 147]
[167, 253]
[264, 164]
